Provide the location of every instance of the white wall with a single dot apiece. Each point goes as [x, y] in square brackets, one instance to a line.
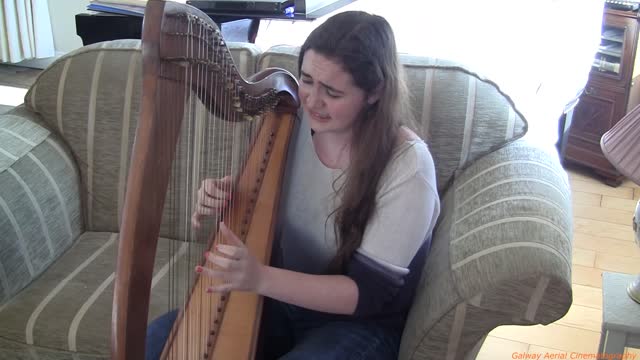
[539, 52]
[63, 23]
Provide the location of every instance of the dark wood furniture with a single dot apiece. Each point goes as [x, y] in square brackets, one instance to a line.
[97, 27]
[609, 94]
[94, 27]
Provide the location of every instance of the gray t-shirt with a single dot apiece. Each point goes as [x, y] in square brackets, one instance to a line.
[405, 215]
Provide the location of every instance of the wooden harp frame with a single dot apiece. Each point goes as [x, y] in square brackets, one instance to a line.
[150, 167]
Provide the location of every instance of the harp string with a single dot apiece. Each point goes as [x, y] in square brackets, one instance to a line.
[203, 305]
[214, 143]
[197, 133]
[213, 139]
[187, 122]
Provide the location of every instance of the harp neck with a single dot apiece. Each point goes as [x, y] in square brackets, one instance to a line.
[186, 36]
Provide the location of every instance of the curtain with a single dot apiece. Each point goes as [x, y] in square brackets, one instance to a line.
[25, 30]
[539, 52]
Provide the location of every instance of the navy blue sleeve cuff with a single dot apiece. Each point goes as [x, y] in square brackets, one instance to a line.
[377, 285]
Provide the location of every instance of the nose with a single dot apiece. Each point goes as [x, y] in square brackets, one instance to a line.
[313, 100]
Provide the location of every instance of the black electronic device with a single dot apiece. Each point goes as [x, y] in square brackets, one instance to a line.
[243, 6]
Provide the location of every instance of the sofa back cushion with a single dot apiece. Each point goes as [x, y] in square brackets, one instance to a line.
[461, 115]
[91, 98]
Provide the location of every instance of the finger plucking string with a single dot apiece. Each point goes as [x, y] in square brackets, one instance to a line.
[233, 252]
[228, 235]
[222, 262]
[223, 276]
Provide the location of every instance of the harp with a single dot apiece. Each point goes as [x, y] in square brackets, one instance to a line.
[194, 101]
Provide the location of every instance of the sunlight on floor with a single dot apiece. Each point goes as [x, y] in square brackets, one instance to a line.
[11, 96]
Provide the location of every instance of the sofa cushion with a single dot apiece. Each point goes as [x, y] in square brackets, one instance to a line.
[461, 115]
[91, 97]
[40, 213]
[68, 308]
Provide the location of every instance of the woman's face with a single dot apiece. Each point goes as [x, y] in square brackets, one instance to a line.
[329, 96]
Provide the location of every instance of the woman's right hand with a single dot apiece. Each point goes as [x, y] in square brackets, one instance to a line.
[213, 196]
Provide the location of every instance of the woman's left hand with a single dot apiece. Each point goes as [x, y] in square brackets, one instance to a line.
[235, 266]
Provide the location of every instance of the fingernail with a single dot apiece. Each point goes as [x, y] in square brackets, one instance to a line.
[198, 269]
[209, 290]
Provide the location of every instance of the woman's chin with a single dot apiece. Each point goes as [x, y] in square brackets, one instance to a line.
[318, 125]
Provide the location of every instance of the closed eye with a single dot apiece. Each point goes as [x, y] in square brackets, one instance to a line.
[305, 78]
[332, 94]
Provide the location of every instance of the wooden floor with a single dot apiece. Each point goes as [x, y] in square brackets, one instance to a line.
[14, 82]
[603, 241]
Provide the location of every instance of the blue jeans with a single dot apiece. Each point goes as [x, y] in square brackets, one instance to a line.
[158, 333]
[293, 333]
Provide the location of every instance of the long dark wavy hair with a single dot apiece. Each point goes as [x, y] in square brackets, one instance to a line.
[365, 46]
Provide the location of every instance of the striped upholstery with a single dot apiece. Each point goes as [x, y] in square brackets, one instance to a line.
[280, 56]
[68, 309]
[461, 115]
[95, 108]
[40, 213]
[501, 254]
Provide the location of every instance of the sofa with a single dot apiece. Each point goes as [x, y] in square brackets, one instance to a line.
[501, 251]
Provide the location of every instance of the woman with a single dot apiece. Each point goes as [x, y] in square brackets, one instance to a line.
[358, 209]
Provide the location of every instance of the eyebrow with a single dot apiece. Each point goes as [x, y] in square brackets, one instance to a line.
[321, 83]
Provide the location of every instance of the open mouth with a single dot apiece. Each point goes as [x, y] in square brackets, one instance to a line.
[318, 116]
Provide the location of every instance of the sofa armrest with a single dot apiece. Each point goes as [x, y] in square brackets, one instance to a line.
[501, 254]
[40, 213]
